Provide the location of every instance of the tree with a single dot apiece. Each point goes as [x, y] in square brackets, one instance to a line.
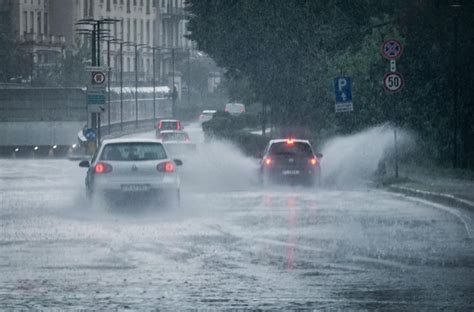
[291, 51]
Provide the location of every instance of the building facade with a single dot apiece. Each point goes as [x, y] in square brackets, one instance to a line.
[47, 27]
[30, 27]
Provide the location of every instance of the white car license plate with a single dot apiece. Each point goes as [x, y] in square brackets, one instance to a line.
[290, 172]
[135, 187]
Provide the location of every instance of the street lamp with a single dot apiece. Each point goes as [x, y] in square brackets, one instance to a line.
[136, 46]
[154, 80]
[97, 34]
[121, 43]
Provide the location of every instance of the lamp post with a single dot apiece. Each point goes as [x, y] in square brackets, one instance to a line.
[120, 43]
[97, 34]
[154, 80]
[173, 88]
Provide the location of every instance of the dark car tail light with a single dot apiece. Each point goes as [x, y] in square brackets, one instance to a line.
[268, 161]
[165, 167]
[101, 168]
[313, 161]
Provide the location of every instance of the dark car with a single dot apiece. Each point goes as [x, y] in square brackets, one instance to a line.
[168, 124]
[290, 161]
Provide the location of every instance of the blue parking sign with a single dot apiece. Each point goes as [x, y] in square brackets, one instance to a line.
[343, 91]
[90, 134]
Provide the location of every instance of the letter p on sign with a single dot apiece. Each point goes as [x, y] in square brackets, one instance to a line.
[341, 84]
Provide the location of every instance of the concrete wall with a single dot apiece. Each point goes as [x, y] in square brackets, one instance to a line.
[41, 116]
[39, 132]
[43, 104]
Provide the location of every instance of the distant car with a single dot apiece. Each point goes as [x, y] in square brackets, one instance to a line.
[206, 115]
[168, 124]
[132, 168]
[290, 161]
[234, 108]
[177, 142]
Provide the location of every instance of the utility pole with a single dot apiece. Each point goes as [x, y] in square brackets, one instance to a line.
[173, 89]
[154, 88]
[121, 85]
[108, 85]
[136, 85]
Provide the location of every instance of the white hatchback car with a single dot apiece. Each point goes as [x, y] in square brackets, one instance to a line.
[132, 168]
[206, 115]
[235, 108]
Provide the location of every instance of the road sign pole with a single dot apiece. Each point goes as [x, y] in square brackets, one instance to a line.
[98, 129]
[393, 82]
[396, 150]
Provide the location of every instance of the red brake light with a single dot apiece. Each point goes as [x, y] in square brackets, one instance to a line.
[290, 141]
[268, 161]
[100, 168]
[313, 161]
[166, 167]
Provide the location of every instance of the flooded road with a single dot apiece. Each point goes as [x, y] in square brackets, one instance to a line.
[232, 244]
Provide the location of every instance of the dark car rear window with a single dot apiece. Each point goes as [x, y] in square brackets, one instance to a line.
[133, 151]
[296, 148]
[169, 125]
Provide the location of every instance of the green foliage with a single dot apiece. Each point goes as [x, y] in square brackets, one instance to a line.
[291, 50]
[15, 64]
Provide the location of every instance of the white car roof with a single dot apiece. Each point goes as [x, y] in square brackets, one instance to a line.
[169, 120]
[209, 111]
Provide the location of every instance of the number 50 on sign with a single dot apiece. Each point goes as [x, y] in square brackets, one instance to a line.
[393, 82]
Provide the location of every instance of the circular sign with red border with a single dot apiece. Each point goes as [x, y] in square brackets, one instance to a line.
[391, 49]
[98, 78]
[393, 82]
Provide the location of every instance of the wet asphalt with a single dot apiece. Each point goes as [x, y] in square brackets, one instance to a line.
[231, 245]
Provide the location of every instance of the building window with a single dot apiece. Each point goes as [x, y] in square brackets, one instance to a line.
[135, 31]
[46, 23]
[147, 32]
[25, 21]
[108, 6]
[32, 22]
[134, 2]
[38, 21]
[142, 38]
[147, 6]
[91, 8]
[128, 29]
[128, 6]
[86, 7]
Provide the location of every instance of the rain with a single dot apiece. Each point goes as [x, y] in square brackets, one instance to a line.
[236, 155]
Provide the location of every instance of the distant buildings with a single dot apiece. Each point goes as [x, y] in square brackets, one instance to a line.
[46, 28]
[30, 26]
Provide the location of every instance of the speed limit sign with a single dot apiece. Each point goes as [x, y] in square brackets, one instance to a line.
[98, 78]
[393, 82]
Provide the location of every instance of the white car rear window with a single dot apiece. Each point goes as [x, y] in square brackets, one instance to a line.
[133, 152]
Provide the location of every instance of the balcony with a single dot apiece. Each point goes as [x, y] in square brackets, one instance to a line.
[30, 37]
[45, 40]
[175, 13]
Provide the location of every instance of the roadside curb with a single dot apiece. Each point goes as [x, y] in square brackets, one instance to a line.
[442, 198]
